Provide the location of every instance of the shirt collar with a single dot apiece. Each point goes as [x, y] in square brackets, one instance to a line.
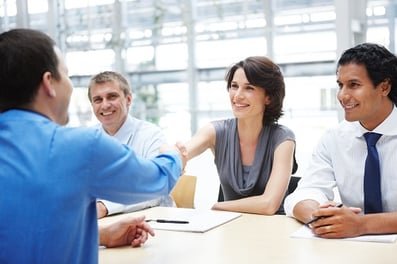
[387, 127]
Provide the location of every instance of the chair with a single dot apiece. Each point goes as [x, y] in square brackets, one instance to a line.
[184, 191]
[293, 183]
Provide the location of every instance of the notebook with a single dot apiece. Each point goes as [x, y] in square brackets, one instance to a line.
[200, 220]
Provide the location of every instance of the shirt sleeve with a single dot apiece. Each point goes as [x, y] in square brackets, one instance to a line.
[113, 208]
[117, 174]
[116, 208]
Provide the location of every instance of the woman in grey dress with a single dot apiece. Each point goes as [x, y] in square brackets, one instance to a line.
[254, 155]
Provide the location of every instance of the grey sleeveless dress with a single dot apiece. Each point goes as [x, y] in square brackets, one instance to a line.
[238, 181]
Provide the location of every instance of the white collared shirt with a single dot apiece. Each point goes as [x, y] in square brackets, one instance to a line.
[339, 161]
[145, 139]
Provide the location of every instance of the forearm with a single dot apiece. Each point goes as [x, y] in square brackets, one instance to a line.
[103, 236]
[251, 205]
[204, 139]
[383, 223]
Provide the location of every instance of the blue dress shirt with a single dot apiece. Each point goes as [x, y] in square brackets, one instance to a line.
[50, 178]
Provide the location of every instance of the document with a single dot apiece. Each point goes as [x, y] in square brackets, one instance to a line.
[306, 232]
[198, 220]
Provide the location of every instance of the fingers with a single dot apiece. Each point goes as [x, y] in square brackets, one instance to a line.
[147, 228]
[150, 231]
[182, 148]
[328, 204]
[140, 238]
[140, 224]
[141, 234]
[326, 231]
[355, 210]
[328, 209]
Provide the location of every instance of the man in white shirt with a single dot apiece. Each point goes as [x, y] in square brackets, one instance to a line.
[367, 80]
[110, 97]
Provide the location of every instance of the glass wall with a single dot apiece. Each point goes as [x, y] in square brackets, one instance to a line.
[154, 42]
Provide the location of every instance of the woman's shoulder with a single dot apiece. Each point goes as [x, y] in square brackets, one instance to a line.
[224, 123]
[284, 130]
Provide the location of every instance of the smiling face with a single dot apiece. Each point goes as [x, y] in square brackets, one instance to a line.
[110, 105]
[247, 100]
[359, 98]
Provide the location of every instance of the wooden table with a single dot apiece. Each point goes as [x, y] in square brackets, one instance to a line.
[247, 239]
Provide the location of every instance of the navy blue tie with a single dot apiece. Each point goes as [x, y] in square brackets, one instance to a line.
[372, 191]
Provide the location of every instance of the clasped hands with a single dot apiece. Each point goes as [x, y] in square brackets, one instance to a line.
[336, 222]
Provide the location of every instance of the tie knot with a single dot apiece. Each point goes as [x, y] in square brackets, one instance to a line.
[372, 138]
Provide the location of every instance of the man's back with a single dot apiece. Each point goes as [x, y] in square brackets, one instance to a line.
[51, 176]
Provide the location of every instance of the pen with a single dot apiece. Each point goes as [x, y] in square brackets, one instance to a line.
[318, 217]
[168, 221]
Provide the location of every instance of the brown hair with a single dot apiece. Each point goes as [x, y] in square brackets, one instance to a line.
[262, 72]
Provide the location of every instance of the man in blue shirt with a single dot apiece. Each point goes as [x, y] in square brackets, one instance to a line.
[51, 175]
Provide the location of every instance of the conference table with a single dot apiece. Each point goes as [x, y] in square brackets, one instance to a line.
[248, 238]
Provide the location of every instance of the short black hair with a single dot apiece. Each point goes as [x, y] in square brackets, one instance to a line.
[25, 55]
[379, 62]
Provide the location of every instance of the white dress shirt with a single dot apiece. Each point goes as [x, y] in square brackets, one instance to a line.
[339, 161]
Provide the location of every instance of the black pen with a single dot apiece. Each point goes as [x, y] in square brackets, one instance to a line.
[319, 217]
[168, 221]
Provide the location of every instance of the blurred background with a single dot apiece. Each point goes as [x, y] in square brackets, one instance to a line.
[175, 54]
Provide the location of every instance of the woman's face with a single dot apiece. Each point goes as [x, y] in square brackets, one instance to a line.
[247, 100]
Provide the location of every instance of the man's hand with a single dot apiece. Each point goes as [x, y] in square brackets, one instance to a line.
[337, 222]
[180, 147]
[131, 230]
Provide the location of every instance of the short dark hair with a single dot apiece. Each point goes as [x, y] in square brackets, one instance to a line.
[264, 73]
[379, 62]
[110, 76]
[25, 55]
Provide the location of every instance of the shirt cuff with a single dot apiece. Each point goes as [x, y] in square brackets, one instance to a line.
[300, 195]
[113, 208]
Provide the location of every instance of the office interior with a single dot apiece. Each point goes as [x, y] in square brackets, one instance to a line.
[175, 54]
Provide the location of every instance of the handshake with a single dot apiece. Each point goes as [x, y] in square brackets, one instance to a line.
[181, 148]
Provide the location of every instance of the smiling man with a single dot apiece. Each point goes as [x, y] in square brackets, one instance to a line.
[111, 98]
[367, 80]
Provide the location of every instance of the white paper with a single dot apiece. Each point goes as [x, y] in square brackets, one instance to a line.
[306, 232]
[199, 220]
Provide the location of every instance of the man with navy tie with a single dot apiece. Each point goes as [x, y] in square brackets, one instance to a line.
[358, 156]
